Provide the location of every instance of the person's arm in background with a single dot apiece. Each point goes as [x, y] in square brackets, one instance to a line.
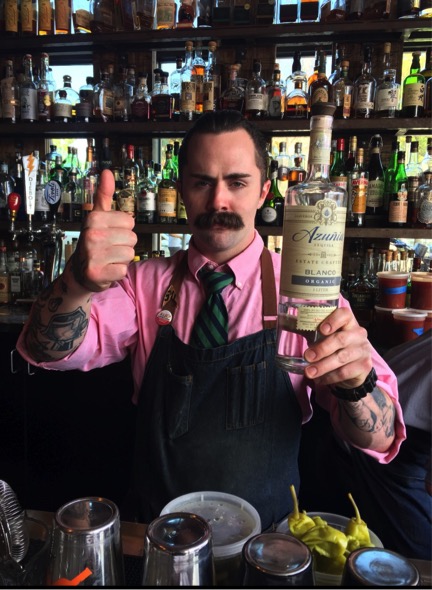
[59, 317]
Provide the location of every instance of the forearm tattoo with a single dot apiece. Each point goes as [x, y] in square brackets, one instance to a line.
[63, 330]
[367, 419]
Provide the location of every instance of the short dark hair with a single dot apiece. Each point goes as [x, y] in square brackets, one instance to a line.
[225, 121]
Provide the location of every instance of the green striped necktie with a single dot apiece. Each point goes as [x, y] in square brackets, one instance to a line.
[211, 325]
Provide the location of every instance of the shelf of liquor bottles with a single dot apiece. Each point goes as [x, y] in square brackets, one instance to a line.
[411, 31]
[374, 230]
[178, 128]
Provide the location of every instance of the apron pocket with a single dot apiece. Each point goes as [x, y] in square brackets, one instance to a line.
[177, 403]
[245, 404]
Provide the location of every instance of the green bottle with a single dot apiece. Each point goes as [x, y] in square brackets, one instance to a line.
[389, 173]
[272, 209]
[413, 90]
[398, 204]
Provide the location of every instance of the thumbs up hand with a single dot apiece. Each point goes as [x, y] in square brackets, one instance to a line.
[106, 243]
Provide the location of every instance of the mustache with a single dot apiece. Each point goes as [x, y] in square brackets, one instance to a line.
[221, 218]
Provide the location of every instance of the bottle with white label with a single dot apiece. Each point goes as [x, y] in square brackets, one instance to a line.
[313, 239]
[28, 92]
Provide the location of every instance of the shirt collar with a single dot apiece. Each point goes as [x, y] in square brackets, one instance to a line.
[240, 265]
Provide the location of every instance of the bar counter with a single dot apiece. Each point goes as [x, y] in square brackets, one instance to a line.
[132, 534]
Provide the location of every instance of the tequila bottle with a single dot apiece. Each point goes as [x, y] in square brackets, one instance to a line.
[313, 237]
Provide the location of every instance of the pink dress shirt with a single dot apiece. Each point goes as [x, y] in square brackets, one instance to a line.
[123, 320]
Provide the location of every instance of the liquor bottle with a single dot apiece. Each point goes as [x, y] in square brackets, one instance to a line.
[364, 89]
[140, 105]
[385, 62]
[85, 106]
[377, 9]
[256, 101]
[338, 11]
[167, 193]
[7, 186]
[423, 202]
[103, 14]
[357, 192]
[126, 196]
[288, 11]
[337, 68]
[81, 16]
[320, 89]
[186, 14]
[296, 98]
[297, 172]
[161, 105]
[71, 94]
[212, 79]
[130, 163]
[45, 91]
[62, 111]
[338, 172]
[146, 199]
[408, 8]
[283, 161]
[28, 18]
[310, 279]
[314, 74]
[361, 297]
[271, 211]
[146, 11]
[414, 174]
[375, 194]
[309, 10]
[398, 204]
[106, 156]
[389, 173]
[46, 17]
[166, 12]
[188, 86]
[62, 17]
[72, 198]
[426, 163]
[387, 96]
[275, 95]
[28, 92]
[41, 206]
[50, 158]
[426, 72]
[342, 91]
[425, 9]
[232, 98]
[413, 90]
[175, 87]
[9, 91]
[90, 178]
[356, 10]
[104, 97]
[4, 275]
[198, 70]
[11, 18]
[123, 94]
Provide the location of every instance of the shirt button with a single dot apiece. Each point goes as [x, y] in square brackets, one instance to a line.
[239, 284]
[211, 267]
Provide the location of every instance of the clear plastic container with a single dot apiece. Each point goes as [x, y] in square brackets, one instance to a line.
[338, 522]
[232, 521]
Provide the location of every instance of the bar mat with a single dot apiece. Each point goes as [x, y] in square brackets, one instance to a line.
[133, 570]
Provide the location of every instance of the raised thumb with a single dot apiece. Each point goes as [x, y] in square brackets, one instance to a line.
[102, 200]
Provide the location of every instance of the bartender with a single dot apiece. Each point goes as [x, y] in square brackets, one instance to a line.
[214, 410]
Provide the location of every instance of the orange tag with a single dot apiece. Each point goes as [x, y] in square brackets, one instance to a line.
[76, 580]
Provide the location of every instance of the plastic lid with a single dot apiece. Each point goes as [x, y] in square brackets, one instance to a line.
[232, 520]
[409, 314]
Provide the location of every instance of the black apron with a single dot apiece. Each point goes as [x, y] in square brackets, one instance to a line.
[223, 419]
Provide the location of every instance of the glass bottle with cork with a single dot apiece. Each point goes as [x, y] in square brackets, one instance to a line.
[398, 193]
[375, 194]
[167, 192]
[364, 88]
[309, 291]
[357, 191]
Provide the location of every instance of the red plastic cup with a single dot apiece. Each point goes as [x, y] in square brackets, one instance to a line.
[392, 289]
[421, 290]
[408, 324]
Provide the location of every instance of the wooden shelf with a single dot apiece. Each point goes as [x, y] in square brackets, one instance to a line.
[412, 31]
[399, 126]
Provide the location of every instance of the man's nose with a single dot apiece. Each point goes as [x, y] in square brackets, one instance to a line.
[219, 194]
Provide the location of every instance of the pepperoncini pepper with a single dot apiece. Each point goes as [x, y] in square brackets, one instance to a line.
[357, 530]
[326, 540]
[298, 522]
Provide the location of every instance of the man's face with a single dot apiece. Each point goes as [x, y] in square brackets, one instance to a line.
[221, 189]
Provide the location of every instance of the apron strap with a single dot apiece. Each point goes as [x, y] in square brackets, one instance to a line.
[268, 291]
[269, 311]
